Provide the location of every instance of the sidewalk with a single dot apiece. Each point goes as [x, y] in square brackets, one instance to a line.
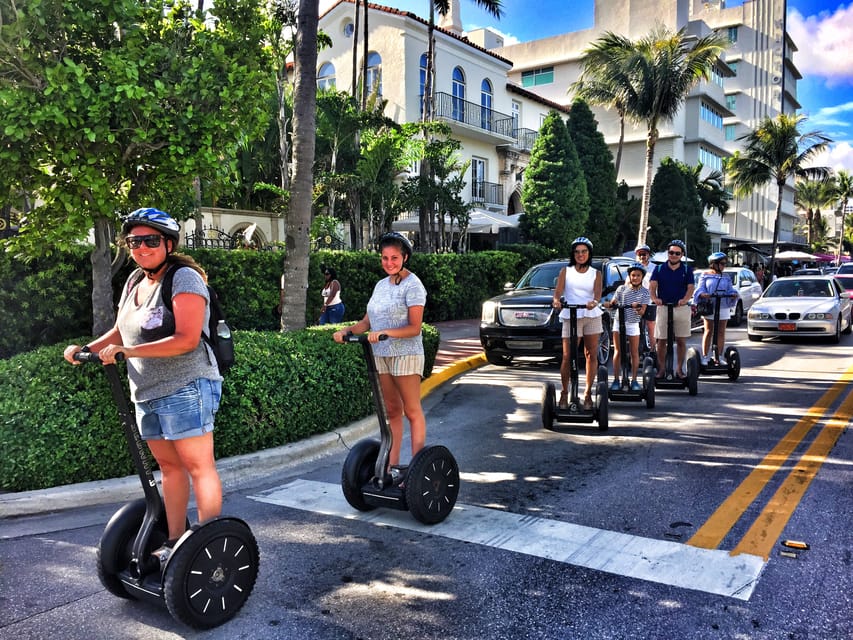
[458, 351]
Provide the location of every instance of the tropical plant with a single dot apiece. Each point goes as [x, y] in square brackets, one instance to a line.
[776, 151]
[841, 189]
[676, 209]
[651, 79]
[811, 196]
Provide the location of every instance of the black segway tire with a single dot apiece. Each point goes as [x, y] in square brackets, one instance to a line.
[359, 468]
[649, 384]
[602, 411]
[211, 573]
[115, 549]
[549, 404]
[692, 372]
[733, 358]
[432, 484]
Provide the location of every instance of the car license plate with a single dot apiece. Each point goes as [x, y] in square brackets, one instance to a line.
[525, 344]
[787, 326]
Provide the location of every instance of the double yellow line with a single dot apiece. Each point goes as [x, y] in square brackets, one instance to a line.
[765, 531]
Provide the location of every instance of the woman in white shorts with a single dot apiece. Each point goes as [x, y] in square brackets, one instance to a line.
[579, 283]
[714, 281]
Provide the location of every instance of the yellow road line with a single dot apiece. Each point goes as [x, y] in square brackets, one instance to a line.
[712, 532]
[767, 528]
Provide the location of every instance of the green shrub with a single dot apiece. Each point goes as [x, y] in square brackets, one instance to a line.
[58, 423]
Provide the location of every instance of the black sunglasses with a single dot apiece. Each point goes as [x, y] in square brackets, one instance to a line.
[151, 241]
[674, 253]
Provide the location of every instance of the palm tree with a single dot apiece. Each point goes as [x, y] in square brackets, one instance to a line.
[711, 190]
[842, 189]
[811, 196]
[656, 74]
[298, 222]
[776, 151]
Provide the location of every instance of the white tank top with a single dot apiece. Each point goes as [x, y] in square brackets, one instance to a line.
[579, 288]
[336, 300]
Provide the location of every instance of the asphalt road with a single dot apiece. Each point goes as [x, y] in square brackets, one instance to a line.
[571, 534]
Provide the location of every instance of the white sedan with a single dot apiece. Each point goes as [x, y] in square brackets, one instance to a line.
[801, 306]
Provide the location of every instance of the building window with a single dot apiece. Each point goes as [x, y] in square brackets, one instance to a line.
[326, 76]
[733, 35]
[731, 102]
[733, 67]
[731, 132]
[478, 180]
[374, 73]
[348, 29]
[710, 159]
[422, 76]
[711, 115]
[537, 77]
[458, 100]
[486, 98]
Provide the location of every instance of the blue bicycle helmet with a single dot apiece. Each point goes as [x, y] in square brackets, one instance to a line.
[716, 257]
[155, 219]
[636, 266]
[679, 244]
[394, 237]
[582, 240]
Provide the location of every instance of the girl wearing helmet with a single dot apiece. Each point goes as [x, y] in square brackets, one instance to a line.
[635, 297]
[174, 381]
[579, 283]
[396, 309]
[715, 281]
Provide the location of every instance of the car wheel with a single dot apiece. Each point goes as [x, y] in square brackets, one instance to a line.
[836, 337]
[499, 359]
[737, 316]
[849, 326]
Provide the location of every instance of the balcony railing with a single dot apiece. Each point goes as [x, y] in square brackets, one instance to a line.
[487, 193]
[474, 115]
[524, 138]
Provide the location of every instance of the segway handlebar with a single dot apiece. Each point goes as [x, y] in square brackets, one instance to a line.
[362, 337]
[565, 305]
[92, 356]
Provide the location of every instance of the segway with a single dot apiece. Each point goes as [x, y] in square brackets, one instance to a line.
[714, 368]
[670, 380]
[427, 488]
[625, 393]
[551, 410]
[212, 568]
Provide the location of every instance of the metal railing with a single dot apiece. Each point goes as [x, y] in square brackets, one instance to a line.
[487, 192]
[474, 115]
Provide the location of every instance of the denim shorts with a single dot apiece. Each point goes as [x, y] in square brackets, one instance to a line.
[186, 413]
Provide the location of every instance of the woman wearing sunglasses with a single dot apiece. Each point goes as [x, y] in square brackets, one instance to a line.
[174, 381]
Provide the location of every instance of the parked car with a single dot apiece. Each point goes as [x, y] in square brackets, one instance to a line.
[846, 280]
[801, 306]
[847, 267]
[808, 271]
[829, 271]
[746, 283]
[523, 323]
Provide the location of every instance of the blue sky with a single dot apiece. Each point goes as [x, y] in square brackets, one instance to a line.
[822, 30]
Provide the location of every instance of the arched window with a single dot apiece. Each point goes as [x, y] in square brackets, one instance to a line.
[423, 72]
[374, 73]
[458, 100]
[486, 97]
[326, 76]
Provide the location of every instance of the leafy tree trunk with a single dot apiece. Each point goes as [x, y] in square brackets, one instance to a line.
[647, 187]
[281, 81]
[103, 306]
[298, 223]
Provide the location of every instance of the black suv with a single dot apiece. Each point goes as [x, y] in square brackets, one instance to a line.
[522, 321]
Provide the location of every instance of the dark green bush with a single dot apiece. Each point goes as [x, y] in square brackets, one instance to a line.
[58, 423]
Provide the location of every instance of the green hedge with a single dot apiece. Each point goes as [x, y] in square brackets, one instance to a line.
[58, 423]
[48, 301]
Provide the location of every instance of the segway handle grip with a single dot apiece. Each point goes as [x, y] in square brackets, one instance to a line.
[362, 337]
[91, 356]
[565, 305]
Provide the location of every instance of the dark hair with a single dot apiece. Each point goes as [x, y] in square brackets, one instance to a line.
[331, 272]
[398, 240]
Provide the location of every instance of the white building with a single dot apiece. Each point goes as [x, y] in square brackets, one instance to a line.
[759, 79]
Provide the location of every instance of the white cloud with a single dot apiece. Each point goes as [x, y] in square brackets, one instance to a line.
[837, 156]
[824, 42]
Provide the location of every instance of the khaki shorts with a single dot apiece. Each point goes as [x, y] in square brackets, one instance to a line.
[586, 327]
[401, 365]
[680, 318]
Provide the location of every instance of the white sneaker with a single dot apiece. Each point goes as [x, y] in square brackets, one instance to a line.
[704, 360]
[722, 361]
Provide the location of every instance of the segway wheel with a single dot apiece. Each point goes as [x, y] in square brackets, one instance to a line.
[211, 573]
[115, 549]
[602, 411]
[549, 402]
[733, 358]
[649, 385]
[359, 468]
[432, 484]
[692, 372]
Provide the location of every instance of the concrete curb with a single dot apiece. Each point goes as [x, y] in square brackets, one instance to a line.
[235, 472]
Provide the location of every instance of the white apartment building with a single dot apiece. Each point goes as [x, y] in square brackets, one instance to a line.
[495, 120]
[758, 79]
